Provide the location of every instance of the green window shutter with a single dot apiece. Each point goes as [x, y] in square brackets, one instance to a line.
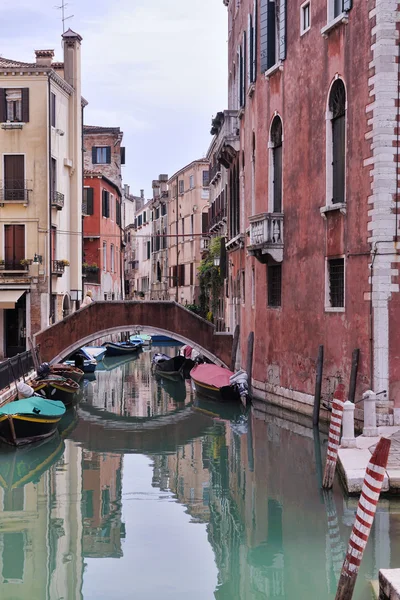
[25, 105]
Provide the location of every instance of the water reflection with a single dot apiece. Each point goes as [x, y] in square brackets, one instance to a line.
[151, 494]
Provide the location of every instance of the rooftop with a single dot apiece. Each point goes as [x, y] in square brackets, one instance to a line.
[99, 129]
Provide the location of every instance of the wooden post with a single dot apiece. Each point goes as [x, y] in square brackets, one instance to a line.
[366, 510]
[235, 344]
[12, 429]
[336, 545]
[249, 363]
[318, 384]
[353, 376]
[334, 436]
[318, 460]
[33, 354]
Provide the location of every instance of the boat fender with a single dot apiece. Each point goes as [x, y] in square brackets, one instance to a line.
[239, 380]
[36, 410]
[24, 390]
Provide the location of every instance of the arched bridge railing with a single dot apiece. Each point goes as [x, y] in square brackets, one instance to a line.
[102, 318]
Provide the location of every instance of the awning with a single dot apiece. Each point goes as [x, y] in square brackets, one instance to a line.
[9, 298]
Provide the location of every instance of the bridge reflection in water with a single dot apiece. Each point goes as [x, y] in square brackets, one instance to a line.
[153, 493]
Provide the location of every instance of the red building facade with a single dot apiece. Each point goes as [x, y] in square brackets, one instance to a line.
[312, 194]
[102, 266]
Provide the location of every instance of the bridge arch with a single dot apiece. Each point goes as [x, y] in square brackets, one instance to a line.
[104, 318]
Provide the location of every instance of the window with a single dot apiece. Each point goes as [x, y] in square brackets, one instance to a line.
[112, 258]
[191, 273]
[191, 181]
[252, 46]
[144, 217]
[104, 256]
[148, 250]
[53, 177]
[206, 178]
[253, 287]
[276, 165]
[234, 201]
[183, 230]
[272, 33]
[122, 154]
[274, 285]
[305, 17]
[118, 212]
[14, 105]
[336, 282]
[158, 271]
[191, 225]
[111, 207]
[336, 154]
[243, 287]
[87, 504]
[88, 200]
[181, 275]
[181, 186]
[14, 177]
[105, 202]
[53, 109]
[14, 246]
[101, 155]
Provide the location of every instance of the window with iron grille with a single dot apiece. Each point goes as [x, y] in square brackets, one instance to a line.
[274, 277]
[336, 282]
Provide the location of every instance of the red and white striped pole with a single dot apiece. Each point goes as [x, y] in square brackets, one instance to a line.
[366, 510]
[334, 437]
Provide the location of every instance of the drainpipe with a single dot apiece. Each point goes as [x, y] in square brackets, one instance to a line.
[83, 218]
[177, 242]
[397, 143]
[51, 314]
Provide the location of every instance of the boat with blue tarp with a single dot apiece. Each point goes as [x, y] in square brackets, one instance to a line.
[29, 420]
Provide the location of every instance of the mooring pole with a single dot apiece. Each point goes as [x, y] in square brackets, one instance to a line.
[249, 363]
[366, 510]
[235, 344]
[353, 376]
[318, 384]
[336, 546]
[334, 436]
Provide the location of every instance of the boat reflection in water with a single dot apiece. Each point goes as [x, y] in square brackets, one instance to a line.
[150, 484]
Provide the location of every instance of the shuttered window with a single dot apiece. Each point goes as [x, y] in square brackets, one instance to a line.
[14, 177]
[14, 246]
[14, 105]
[53, 109]
[122, 155]
[274, 285]
[336, 282]
[88, 200]
[337, 107]
[272, 33]
[105, 202]
[254, 42]
[101, 155]
[276, 143]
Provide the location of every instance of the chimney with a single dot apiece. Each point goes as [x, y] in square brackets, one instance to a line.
[44, 58]
[126, 190]
[72, 63]
[142, 194]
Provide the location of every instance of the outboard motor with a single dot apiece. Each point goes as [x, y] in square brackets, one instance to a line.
[43, 370]
[239, 380]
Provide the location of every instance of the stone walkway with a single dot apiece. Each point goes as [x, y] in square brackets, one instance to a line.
[353, 461]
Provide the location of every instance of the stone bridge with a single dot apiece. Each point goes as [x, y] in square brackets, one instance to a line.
[86, 325]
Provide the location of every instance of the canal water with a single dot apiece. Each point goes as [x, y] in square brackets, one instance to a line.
[151, 493]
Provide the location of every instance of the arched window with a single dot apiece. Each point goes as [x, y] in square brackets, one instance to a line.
[276, 165]
[337, 113]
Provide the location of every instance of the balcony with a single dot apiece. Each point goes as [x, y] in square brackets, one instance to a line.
[15, 265]
[227, 144]
[204, 244]
[218, 221]
[266, 236]
[57, 200]
[91, 274]
[58, 267]
[14, 191]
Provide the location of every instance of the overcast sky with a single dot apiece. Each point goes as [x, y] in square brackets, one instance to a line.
[156, 69]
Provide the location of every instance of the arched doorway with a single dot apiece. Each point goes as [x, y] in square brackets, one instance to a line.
[66, 306]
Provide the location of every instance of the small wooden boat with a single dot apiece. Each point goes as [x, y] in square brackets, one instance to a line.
[29, 420]
[86, 362]
[61, 388]
[121, 348]
[67, 371]
[172, 367]
[218, 383]
[162, 340]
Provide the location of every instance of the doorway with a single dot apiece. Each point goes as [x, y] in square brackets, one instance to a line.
[15, 328]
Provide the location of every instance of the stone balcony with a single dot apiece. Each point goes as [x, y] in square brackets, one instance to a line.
[57, 200]
[266, 236]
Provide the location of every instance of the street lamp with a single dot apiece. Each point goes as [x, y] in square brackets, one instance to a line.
[216, 261]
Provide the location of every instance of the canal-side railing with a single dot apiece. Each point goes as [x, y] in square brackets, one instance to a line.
[16, 368]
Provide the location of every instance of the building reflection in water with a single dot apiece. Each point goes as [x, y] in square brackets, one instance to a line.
[252, 480]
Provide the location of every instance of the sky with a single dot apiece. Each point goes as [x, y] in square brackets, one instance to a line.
[156, 69]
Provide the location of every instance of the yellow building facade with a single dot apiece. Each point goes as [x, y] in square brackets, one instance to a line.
[40, 192]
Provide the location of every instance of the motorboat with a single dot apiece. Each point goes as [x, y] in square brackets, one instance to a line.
[121, 348]
[219, 384]
[29, 420]
[143, 338]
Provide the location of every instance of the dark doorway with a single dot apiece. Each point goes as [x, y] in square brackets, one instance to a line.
[15, 328]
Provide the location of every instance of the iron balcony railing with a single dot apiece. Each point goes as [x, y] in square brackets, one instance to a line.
[57, 200]
[14, 265]
[14, 190]
[57, 267]
[17, 367]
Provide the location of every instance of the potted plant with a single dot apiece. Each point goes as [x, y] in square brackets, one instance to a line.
[64, 262]
[2, 263]
[25, 262]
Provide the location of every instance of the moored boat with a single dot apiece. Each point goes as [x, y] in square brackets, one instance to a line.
[67, 371]
[172, 367]
[29, 420]
[121, 348]
[61, 388]
[218, 383]
[163, 339]
[143, 338]
[96, 352]
[86, 362]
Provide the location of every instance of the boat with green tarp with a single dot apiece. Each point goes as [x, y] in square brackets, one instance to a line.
[29, 420]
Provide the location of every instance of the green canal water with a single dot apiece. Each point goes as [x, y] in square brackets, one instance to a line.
[153, 494]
